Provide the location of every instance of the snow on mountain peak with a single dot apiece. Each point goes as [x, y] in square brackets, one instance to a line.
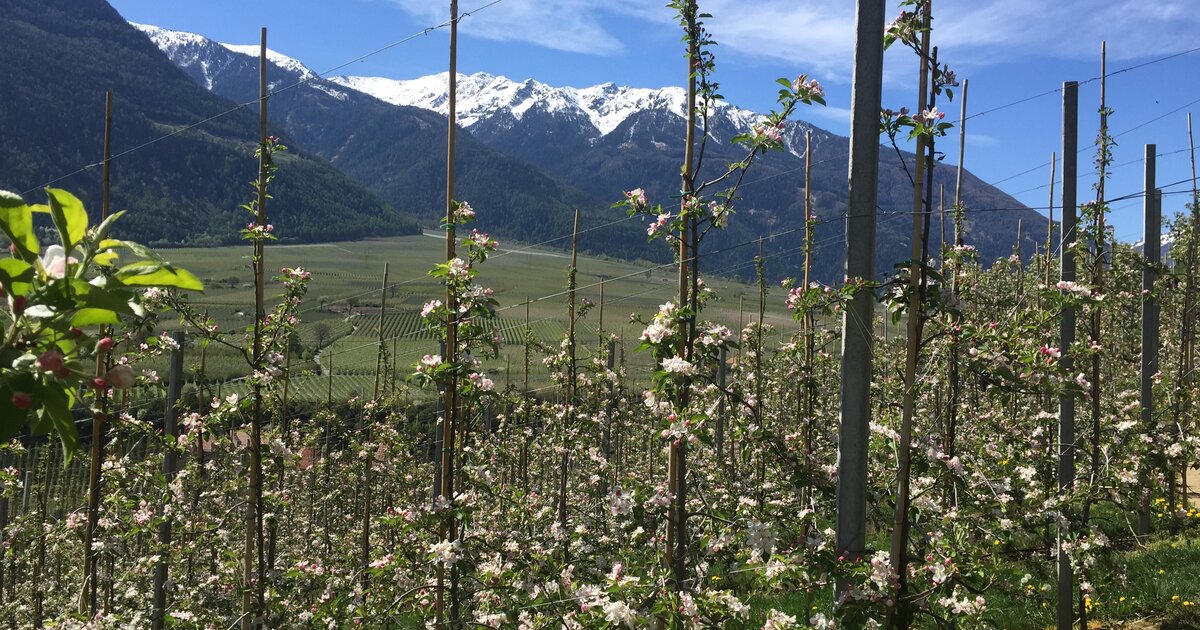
[190, 49]
[168, 39]
[283, 61]
[482, 95]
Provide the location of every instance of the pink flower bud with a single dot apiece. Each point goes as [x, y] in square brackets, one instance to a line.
[51, 361]
[104, 345]
[21, 400]
[120, 377]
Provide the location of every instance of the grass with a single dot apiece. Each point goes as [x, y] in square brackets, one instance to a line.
[1157, 588]
[343, 303]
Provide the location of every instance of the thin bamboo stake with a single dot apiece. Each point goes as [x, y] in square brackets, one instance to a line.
[899, 615]
[955, 384]
[170, 433]
[808, 391]
[89, 602]
[254, 560]
[1098, 265]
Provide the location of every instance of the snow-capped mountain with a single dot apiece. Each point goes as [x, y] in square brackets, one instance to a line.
[600, 109]
[1166, 240]
[533, 152]
[485, 101]
[209, 62]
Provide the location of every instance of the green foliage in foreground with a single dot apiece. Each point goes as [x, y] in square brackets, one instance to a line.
[56, 308]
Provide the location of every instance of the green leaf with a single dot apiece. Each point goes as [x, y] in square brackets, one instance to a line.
[69, 216]
[149, 273]
[106, 225]
[16, 220]
[137, 248]
[107, 259]
[89, 296]
[85, 317]
[16, 275]
[54, 416]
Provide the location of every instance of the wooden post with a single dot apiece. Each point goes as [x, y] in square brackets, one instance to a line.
[395, 365]
[369, 456]
[610, 361]
[1020, 263]
[379, 360]
[676, 542]
[450, 396]
[1066, 401]
[942, 225]
[170, 435]
[859, 316]
[524, 465]
[962, 142]
[1152, 249]
[1188, 341]
[600, 322]
[1050, 222]
[564, 464]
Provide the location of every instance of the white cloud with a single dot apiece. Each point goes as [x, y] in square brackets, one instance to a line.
[982, 140]
[818, 35]
[567, 25]
[1069, 29]
[814, 36]
[840, 115]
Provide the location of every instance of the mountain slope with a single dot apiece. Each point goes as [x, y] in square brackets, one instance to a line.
[59, 58]
[603, 140]
[625, 137]
[399, 152]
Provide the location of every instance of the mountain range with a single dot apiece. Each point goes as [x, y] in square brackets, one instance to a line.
[592, 143]
[367, 153]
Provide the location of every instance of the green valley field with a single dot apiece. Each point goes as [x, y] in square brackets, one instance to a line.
[340, 319]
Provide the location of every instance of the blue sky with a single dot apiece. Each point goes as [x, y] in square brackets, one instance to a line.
[1009, 49]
